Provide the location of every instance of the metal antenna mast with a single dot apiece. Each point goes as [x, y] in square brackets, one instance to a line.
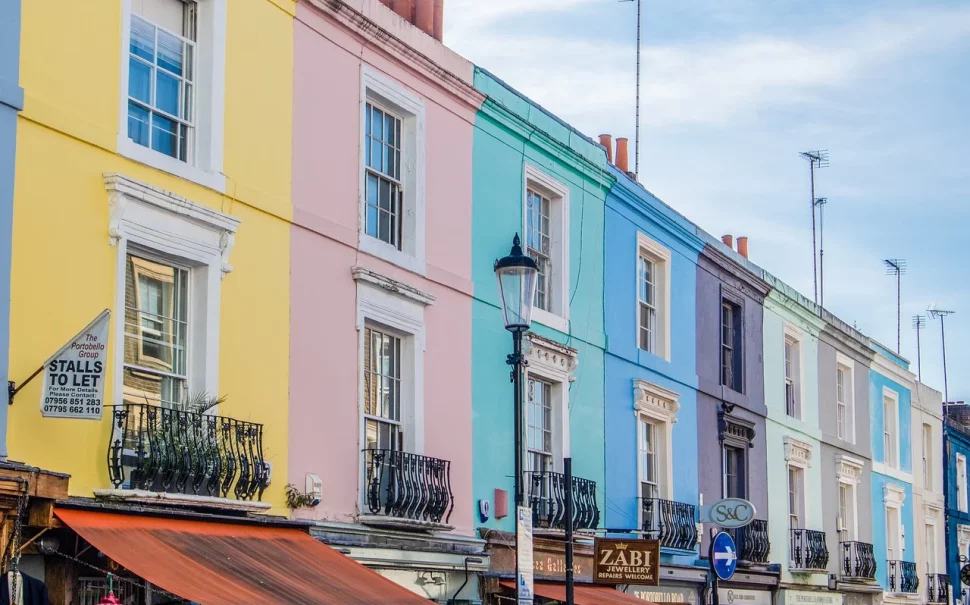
[816, 159]
[636, 139]
[919, 322]
[897, 267]
[942, 313]
[820, 203]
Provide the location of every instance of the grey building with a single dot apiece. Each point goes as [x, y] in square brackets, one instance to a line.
[844, 359]
[731, 405]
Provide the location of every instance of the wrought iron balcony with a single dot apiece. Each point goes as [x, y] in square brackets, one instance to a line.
[752, 542]
[809, 553]
[546, 494]
[408, 486]
[937, 588]
[902, 576]
[166, 450]
[858, 561]
[673, 523]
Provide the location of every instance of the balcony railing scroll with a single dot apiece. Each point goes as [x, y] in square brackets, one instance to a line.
[546, 494]
[937, 588]
[408, 486]
[858, 561]
[168, 450]
[673, 523]
[902, 577]
[753, 542]
[809, 553]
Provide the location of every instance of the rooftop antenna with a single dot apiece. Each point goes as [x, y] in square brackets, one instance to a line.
[919, 322]
[897, 267]
[935, 312]
[820, 204]
[816, 159]
[636, 139]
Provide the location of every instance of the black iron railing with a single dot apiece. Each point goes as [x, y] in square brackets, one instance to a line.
[752, 542]
[858, 561]
[937, 588]
[673, 523]
[167, 450]
[546, 494]
[408, 486]
[808, 550]
[902, 576]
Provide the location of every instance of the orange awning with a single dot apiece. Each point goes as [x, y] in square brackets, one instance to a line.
[583, 594]
[215, 563]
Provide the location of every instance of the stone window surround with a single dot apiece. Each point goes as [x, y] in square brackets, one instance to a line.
[849, 472]
[659, 406]
[555, 363]
[849, 364]
[535, 178]
[894, 496]
[795, 334]
[661, 256]
[797, 452]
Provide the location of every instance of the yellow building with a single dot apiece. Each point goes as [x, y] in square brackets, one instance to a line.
[153, 180]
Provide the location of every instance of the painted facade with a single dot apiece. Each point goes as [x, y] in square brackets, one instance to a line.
[523, 155]
[957, 455]
[115, 219]
[891, 413]
[793, 437]
[844, 358]
[651, 378]
[11, 102]
[928, 497]
[381, 307]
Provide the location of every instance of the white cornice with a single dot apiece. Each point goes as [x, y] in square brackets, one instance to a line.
[550, 358]
[393, 286]
[656, 401]
[798, 452]
[893, 371]
[849, 469]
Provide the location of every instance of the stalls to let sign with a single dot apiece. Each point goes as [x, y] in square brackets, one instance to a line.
[626, 562]
[74, 375]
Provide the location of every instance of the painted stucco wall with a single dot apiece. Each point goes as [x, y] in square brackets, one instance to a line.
[325, 421]
[957, 521]
[631, 210]
[880, 530]
[877, 385]
[11, 102]
[928, 498]
[510, 132]
[66, 142]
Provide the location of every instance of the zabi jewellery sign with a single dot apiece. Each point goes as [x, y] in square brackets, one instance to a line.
[626, 562]
[74, 375]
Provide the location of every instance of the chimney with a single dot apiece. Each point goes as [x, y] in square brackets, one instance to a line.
[728, 241]
[743, 246]
[439, 20]
[623, 154]
[606, 140]
[404, 9]
[424, 16]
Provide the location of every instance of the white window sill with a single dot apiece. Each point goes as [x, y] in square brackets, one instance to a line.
[150, 157]
[889, 471]
[384, 251]
[551, 320]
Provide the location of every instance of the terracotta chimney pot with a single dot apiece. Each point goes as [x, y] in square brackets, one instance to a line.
[728, 241]
[404, 8]
[743, 246]
[606, 140]
[623, 154]
[439, 20]
[424, 16]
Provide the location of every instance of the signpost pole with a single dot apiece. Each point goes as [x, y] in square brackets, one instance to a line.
[710, 558]
[568, 468]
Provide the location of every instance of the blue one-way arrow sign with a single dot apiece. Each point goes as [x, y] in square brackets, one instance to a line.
[724, 556]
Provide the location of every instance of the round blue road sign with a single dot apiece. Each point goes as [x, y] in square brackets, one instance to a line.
[724, 556]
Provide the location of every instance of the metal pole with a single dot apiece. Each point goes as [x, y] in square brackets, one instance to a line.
[919, 359]
[946, 391]
[811, 170]
[636, 152]
[821, 255]
[899, 285]
[515, 360]
[568, 471]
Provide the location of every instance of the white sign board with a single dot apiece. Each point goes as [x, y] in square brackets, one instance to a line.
[523, 552]
[804, 597]
[74, 376]
[735, 596]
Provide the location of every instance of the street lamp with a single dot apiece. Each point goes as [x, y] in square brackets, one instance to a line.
[516, 274]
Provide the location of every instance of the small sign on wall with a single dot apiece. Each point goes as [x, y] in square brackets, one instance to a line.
[74, 375]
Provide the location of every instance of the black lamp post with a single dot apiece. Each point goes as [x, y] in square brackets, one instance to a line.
[516, 274]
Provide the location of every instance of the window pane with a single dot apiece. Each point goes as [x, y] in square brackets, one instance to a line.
[138, 124]
[142, 39]
[167, 93]
[169, 53]
[139, 80]
[164, 135]
[188, 104]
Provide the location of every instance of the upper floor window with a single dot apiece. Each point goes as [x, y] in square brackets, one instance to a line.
[733, 461]
[540, 425]
[731, 354]
[546, 228]
[649, 471]
[653, 297]
[846, 517]
[849, 472]
[382, 389]
[961, 481]
[927, 457]
[793, 404]
[796, 497]
[656, 409]
[845, 400]
[890, 430]
[894, 539]
[392, 204]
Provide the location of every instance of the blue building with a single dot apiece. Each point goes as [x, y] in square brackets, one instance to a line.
[957, 451]
[890, 396]
[650, 384]
[11, 102]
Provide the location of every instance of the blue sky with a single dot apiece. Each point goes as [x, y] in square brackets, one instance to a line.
[732, 90]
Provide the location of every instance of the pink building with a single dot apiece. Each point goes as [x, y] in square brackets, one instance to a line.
[381, 287]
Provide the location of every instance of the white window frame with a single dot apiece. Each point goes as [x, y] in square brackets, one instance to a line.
[658, 406]
[210, 101]
[847, 365]
[400, 308]
[660, 256]
[798, 491]
[893, 498]
[558, 194]
[379, 89]
[961, 481]
[849, 472]
[894, 438]
[798, 454]
[795, 337]
[149, 219]
[553, 363]
[932, 523]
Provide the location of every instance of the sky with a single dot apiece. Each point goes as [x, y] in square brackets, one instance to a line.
[733, 90]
